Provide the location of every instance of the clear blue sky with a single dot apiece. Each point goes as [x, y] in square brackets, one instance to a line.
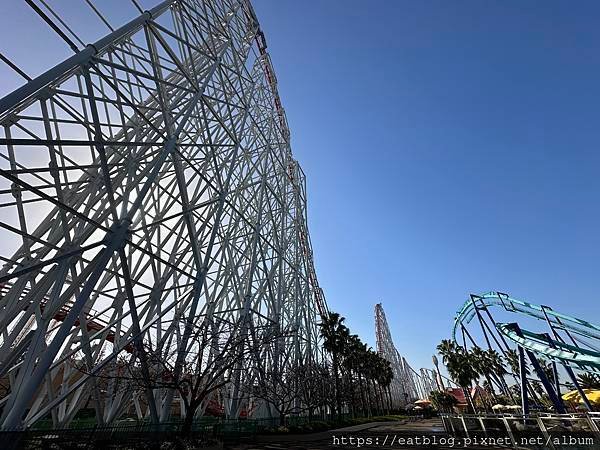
[450, 147]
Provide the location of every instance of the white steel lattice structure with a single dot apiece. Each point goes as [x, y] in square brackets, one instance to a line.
[407, 385]
[148, 190]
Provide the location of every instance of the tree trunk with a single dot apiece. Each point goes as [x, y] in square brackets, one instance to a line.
[338, 401]
[367, 398]
[188, 421]
[361, 388]
[380, 399]
[351, 386]
[389, 399]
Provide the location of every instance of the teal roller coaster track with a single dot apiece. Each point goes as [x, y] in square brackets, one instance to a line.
[554, 348]
[572, 342]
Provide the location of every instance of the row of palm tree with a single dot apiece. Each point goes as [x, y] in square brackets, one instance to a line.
[467, 367]
[361, 377]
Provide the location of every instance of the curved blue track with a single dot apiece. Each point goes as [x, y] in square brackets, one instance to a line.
[539, 343]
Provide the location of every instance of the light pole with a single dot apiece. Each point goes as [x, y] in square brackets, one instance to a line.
[438, 377]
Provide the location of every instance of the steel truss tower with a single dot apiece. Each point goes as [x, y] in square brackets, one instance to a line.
[407, 385]
[149, 191]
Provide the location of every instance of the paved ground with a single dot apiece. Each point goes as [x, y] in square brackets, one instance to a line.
[378, 435]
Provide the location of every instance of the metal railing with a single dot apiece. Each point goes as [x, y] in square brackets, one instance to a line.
[84, 433]
[125, 434]
[539, 430]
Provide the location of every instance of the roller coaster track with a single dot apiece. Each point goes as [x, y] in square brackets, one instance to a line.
[150, 196]
[542, 344]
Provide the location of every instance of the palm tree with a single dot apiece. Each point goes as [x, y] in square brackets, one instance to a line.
[363, 369]
[461, 366]
[442, 401]
[372, 370]
[386, 378]
[377, 373]
[547, 369]
[512, 357]
[446, 348]
[352, 357]
[588, 381]
[362, 382]
[497, 364]
[482, 365]
[335, 336]
[496, 360]
[490, 364]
